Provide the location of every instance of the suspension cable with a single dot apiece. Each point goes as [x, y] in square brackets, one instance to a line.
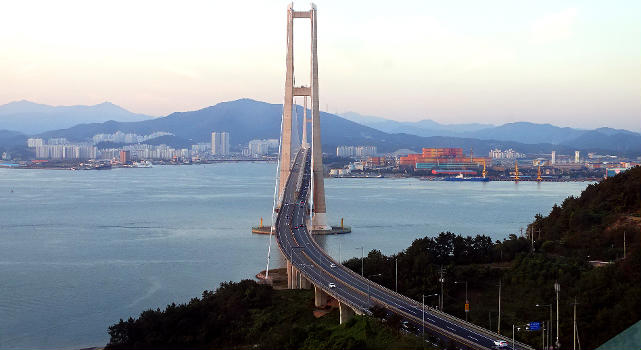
[271, 228]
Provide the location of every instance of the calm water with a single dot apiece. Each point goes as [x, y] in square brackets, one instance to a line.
[80, 250]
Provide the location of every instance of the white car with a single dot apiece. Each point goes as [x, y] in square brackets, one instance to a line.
[332, 265]
[332, 285]
[500, 343]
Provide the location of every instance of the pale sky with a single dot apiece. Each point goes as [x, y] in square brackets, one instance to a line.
[570, 63]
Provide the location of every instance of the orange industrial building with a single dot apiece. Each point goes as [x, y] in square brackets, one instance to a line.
[443, 161]
[376, 161]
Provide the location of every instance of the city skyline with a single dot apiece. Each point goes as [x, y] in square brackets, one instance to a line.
[570, 64]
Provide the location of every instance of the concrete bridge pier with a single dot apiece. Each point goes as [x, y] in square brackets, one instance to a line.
[296, 275]
[305, 283]
[320, 297]
[346, 312]
[289, 275]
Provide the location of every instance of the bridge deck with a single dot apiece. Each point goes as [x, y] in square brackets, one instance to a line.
[298, 246]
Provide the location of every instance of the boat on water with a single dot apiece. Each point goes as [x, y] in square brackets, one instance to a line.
[103, 166]
[460, 177]
[142, 164]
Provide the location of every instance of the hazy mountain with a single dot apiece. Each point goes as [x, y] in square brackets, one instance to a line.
[247, 119]
[624, 141]
[11, 138]
[14, 143]
[425, 127]
[32, 118]
[602, 139]
[528, 133]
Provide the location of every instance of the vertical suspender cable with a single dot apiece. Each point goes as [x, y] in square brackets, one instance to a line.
[276, 194]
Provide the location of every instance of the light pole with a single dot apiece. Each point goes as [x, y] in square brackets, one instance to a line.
[369, 298]
[423, 314]
[557, 289]
[513, 332]
[543, 336]
[396, 273]
[550, 327]
[499, 318]
[467, 303]
[362, 257]
[442, 280]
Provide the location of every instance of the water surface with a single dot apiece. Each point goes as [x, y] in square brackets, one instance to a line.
[81, 249]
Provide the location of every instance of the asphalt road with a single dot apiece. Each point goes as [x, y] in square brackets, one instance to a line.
[297, 244]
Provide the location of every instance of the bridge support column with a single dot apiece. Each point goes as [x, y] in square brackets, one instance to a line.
[295, 278]
[289, 275]
[305, 283]
[346, 312]
[320, 297]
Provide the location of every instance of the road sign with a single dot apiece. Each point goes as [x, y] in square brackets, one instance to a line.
[467, 307]
[534, 326]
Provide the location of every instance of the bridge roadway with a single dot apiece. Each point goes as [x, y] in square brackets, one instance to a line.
[359, 293]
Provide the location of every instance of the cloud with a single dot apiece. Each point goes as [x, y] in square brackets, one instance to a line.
[554, 27]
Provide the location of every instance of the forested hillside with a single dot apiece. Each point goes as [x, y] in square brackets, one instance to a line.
[583, 229]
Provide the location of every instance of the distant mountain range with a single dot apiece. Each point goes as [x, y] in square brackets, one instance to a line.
[247, 119]
[32, 118]
[9, 138]
[613, 140]
[425, 127]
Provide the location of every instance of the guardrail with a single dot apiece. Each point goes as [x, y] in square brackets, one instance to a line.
[314, 280]
[435, 312]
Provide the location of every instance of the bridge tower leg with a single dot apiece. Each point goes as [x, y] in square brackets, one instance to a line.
[320, 297]
[286, 132]
[319, 219]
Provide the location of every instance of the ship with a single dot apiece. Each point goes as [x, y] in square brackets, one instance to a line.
[101, 166]
[142, 164]
[460, 177]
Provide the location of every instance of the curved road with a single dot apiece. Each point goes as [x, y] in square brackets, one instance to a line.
[297, 245]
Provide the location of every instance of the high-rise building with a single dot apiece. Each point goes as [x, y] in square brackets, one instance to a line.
[507, 154]
[219, 143]
[262, 147]
[355, 151]
[577, 155]
[125, 157]
[553, 161]
[32, 143]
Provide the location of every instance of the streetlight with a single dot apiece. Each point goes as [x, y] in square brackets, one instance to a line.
[557, 289]
[369, 298]
[513, 332]
[423, 313]
[396, 274]
[550, 328]
[362, 256]
[467, 303]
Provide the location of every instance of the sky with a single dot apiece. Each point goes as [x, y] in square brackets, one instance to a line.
[570, 63]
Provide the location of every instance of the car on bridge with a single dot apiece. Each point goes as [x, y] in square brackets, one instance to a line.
[332, 285]
[500, 343]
